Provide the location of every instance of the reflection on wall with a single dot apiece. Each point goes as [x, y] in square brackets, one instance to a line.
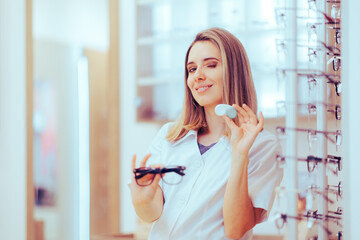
[44, 123]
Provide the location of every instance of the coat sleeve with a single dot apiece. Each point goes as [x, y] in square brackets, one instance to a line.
[263, 173]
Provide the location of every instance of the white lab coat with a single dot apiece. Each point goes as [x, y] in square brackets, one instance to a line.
[193, 208]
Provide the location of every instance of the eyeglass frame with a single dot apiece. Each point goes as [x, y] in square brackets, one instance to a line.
[283, 218]
[281, 45]
[339, 187]
[314, 74]
[329, 20]
[335, 59]
[338, 191]
[339, 235]
[333, 108]
[336, 160]
[143, 171]
[329, 159]
[337, 133]
[337, 35]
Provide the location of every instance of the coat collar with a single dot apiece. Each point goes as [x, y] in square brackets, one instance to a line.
[188, 135]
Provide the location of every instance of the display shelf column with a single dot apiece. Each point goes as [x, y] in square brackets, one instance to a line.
[291, 119]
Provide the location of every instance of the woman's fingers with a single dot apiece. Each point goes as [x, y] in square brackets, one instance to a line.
[133, 162]
[143, 162]
[261, 121]
[156, 181]
[133, 165]
[250, 113]
[243, 116]
[229, 122]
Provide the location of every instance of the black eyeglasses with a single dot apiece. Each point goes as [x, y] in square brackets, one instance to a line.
[312, 162]
[339, 235]
[171, 175]
[335, 160]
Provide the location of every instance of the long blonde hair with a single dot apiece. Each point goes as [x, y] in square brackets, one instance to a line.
[237, 81]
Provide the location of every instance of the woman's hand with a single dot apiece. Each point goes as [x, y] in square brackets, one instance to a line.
[243, 136]
[143, 195]
[237, 200]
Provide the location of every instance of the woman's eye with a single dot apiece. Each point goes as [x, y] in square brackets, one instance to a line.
[192, 69]
[213, 65]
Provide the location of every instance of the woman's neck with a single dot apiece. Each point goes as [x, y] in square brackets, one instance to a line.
[215, 128]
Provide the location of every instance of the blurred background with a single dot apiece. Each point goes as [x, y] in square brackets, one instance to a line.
[85, 84]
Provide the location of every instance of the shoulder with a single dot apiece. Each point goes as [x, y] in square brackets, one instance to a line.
[163, 131]
[165, 128]
[265, 138]
[159, 141]
[266, 143]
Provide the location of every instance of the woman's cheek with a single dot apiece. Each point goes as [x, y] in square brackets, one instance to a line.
[189, 83]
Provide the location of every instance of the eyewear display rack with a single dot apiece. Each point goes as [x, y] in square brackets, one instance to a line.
[327, 25]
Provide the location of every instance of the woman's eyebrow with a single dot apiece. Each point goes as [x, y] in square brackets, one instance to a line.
[211, 58]
[204, 60]
[189, 63]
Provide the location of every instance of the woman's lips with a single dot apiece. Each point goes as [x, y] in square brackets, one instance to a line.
[202, 89]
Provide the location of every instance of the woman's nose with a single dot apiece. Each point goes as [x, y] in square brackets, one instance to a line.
[199, 74]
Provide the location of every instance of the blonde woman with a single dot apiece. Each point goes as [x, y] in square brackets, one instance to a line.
[230, 174]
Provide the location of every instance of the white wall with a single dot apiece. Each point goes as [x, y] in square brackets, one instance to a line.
[12, 120]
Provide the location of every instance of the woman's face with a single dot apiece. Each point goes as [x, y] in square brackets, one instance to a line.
[205, 73]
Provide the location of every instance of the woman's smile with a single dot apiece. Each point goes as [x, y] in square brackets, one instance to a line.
[203, 88]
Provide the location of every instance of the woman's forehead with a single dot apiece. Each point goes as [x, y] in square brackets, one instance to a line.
[203, 50]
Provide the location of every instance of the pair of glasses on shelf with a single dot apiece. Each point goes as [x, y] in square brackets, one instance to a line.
[335, 11]
[308, 15]
[311, 217]
[334, 189]
[312, 135]
[312, 50]
[171, 175]
[309, 108]
[313, 31]
[312, 162]
[337, 34]
[312, 76]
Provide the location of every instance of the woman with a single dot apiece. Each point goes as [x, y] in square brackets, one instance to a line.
[230, 164]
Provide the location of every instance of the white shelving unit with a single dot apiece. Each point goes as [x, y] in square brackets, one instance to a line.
[321, 210]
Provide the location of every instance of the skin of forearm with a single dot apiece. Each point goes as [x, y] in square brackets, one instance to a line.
[151, 211]
[238, 211]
